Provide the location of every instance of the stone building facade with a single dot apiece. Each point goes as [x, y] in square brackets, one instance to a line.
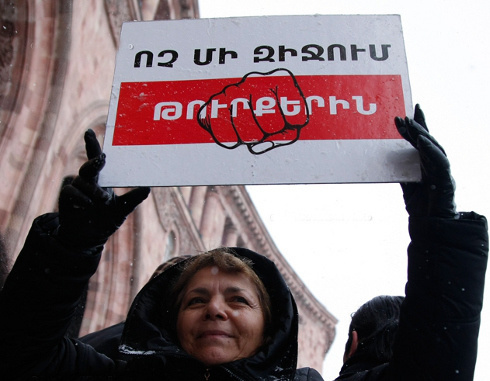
[56, 67]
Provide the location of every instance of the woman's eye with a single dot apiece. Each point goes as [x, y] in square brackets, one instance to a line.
[194, 301]
[240, 299]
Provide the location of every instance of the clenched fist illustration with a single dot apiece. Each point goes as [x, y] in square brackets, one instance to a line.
[263, 111]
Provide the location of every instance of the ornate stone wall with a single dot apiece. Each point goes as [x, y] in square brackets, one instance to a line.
[56, 66]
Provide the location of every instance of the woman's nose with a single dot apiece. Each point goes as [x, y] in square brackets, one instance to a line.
[216, 309]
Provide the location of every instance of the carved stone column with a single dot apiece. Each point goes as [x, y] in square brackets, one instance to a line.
[213, 220]
[196, 203]
[230, 236]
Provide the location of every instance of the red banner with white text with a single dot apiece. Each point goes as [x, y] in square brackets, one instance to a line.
[270, 107]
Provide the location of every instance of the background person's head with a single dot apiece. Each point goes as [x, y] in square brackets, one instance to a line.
[223, 308]
[373, 329]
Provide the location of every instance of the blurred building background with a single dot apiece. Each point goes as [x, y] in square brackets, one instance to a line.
[57, 60]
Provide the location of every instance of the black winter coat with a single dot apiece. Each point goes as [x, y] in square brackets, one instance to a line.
[42, 292]
[440, 316]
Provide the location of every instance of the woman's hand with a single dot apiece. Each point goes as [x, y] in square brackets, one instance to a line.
[434, 195]
[90, 214]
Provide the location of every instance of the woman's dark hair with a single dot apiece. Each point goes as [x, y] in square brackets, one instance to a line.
[376, 324]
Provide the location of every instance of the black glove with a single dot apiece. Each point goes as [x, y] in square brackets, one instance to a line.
[89, 214]
[434, 195]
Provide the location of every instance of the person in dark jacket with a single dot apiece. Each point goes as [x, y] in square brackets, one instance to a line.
[431, 333]
[438, 325]
[62, 251]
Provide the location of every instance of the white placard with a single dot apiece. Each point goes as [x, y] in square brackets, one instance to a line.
[259, 100]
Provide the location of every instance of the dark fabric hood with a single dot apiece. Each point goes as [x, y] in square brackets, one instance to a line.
[149, 328]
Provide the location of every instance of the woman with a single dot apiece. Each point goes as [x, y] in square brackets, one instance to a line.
[223, 315]
[226, 314]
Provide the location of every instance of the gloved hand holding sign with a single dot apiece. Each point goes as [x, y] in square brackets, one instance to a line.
[434, 195]
[90, 214]
[262, 111]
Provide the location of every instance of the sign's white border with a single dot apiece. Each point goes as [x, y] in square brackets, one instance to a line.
[341, 161]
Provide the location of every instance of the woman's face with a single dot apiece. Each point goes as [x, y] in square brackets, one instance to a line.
[220, 319]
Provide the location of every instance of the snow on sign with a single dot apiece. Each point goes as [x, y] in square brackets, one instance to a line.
[259, 100]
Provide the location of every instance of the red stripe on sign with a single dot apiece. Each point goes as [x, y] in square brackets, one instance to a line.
[259, 107]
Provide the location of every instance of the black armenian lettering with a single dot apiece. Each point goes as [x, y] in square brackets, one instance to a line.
[372, 52]
[312, 52]
[384, 50]
[268, 52]
[265, 53]
[315, 52]
[336, 47]
[149, 58]
[174, 55]
[283, 51]
[210, 56]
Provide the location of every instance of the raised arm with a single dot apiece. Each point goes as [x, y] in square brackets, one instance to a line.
[60, 254]
[447, 259]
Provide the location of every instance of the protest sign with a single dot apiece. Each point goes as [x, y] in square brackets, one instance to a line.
[259, 100]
